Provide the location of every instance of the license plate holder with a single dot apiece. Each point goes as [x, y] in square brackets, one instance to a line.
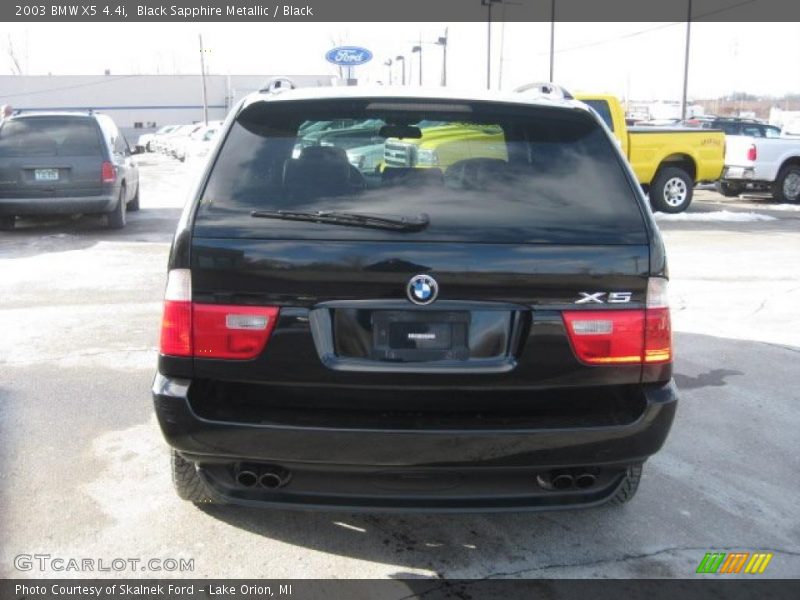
[45, 174]
[420, 336]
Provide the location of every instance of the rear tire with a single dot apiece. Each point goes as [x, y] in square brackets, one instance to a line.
[728, 189]
[133, 205]
[672, 190]
[116, 218]
[787, 186]
[7, 223]
[626, 492]
[188, 484]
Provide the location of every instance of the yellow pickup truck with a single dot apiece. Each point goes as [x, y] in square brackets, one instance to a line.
[668, 162]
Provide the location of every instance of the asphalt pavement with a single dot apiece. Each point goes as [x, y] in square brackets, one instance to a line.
[84, 471]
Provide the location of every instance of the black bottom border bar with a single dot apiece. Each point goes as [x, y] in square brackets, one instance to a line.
[702, 588]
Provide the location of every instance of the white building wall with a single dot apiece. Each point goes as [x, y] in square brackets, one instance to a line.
[137, 103]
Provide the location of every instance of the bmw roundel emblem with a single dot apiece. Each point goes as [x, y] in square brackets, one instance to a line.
[422, 289]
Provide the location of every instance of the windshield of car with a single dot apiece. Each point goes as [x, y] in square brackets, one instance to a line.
[482, 171]
[49, 136]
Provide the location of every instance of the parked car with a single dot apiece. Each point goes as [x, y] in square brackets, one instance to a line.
[197, 143]
[657, 123]
[668, 162]
[367, 159]
[791, 129]
[493, 335]
[762, 164]
[153, 143]
[741, 126]
[145, 141]
[173, 142]
[54, 163]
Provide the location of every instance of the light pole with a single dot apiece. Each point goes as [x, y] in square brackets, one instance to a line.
[488, 4]
[418, 49]
[402, 58]
[552, 39]
[203, 78]
[388, 63]
[442, 41]
[686, 60]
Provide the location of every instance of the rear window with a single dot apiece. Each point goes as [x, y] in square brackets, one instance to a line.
[485, 172]
[602, 108]
[49, 136]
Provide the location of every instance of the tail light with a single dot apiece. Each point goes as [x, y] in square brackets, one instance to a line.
[658, 328]
[108, 172]
[219, 331]
[752, 152]
[630, 336]
[176, 323]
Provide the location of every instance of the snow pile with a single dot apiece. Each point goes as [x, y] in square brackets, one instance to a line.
[718, 215]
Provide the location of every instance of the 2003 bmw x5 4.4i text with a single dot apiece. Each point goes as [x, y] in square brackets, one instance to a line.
[486, 330]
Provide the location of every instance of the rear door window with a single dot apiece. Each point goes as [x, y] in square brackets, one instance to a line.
[49, 136]
[602, 108]
[479, 172]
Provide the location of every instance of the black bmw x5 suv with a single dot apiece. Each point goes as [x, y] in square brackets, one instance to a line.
[479, 323]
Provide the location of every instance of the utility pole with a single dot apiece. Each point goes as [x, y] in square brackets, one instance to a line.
[488, 4]
[686, 60]
[442, 41]
[415, 49]
[420, 59]
[552, 39]
[388, 63]
[203, 78]
[401, 58]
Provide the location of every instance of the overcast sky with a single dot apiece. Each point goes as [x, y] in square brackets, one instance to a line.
[644, 59]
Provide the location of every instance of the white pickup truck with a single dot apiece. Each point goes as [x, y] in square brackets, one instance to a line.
[771, 164]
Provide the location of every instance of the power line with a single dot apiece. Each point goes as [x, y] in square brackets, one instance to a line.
[648, 30]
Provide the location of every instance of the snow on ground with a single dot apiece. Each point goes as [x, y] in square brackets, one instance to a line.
[717, 215]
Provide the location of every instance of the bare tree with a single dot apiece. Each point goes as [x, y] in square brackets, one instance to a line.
[16, 69]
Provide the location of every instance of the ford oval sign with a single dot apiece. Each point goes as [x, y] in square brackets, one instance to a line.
[348, 56]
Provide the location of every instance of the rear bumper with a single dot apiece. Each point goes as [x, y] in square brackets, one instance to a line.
[411, 470]
[58, 206]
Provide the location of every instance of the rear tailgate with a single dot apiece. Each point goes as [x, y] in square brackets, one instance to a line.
[511, 245]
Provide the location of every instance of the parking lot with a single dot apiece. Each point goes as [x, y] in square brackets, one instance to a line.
[84, 471]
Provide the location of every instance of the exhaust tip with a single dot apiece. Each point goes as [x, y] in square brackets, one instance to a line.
[585, 480]
[274, 477]
[246, 478]
[562, 481]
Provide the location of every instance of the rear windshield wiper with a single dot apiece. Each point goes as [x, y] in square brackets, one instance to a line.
[417, 223]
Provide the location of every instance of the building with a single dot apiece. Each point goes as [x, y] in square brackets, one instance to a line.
[138, 103]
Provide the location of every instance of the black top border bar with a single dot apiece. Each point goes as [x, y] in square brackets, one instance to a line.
[31, 11]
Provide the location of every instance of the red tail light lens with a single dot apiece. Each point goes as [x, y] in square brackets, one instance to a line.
[608, 337]
[231, 332]
[658, 328]
[211, 330]
[752, 152]
[176, 329]
[605, 337]
[108, 172]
